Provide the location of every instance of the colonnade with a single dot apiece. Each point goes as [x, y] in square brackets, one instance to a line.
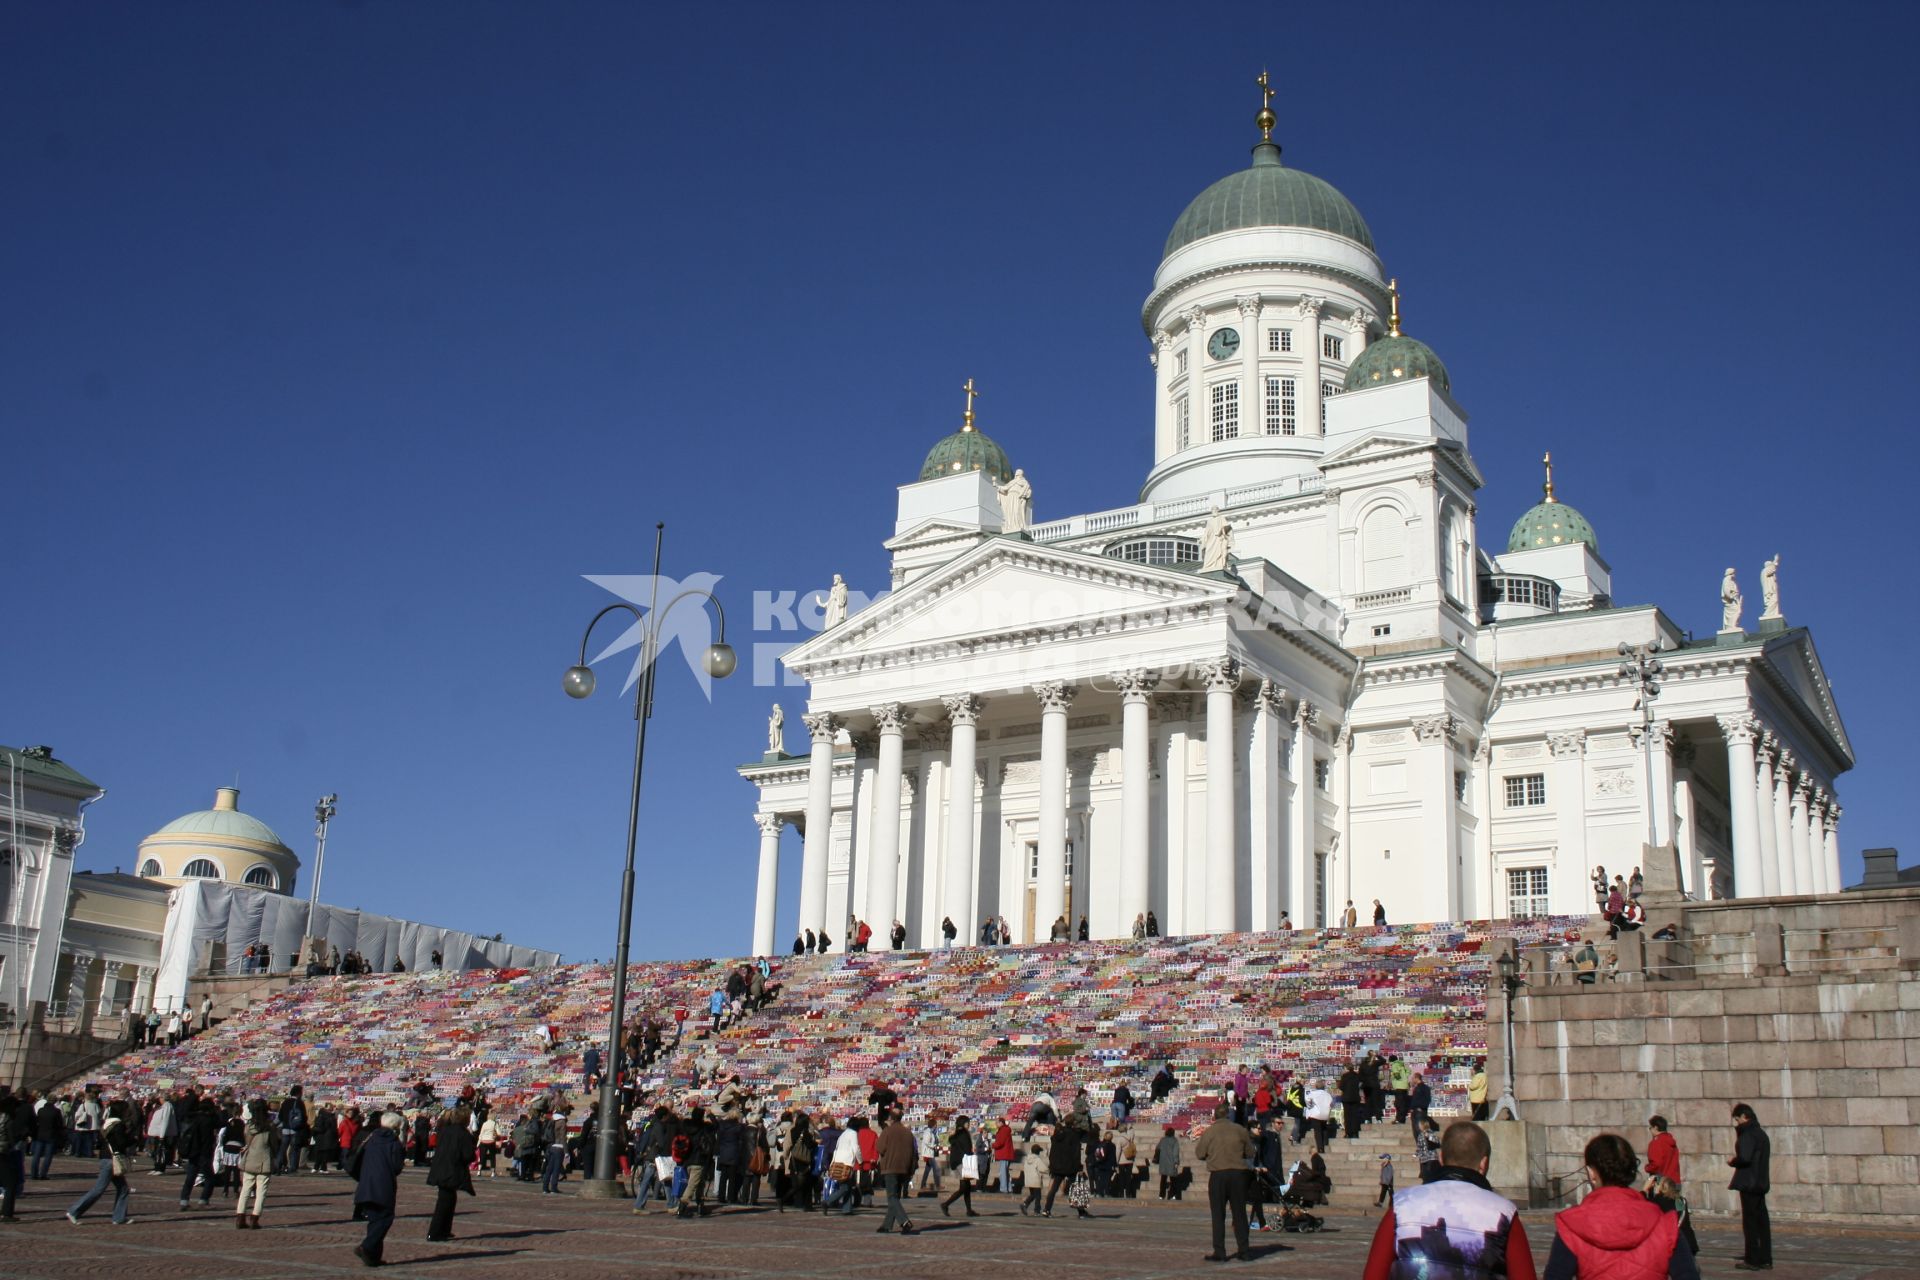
[1786, 825]
[1280, 840]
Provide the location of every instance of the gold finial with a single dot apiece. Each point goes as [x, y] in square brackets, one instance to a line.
[966, 424]
[1393, 293]
[1548, 460]
[1266, 119]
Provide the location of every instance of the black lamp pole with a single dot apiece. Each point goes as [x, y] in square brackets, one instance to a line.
[578, 683]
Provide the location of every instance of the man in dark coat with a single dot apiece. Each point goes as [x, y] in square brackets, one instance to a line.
[199, 1142]
[1752, 1178]
[378, 1187]
[452, 1153]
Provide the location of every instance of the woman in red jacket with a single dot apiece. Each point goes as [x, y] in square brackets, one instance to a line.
[1663, 1153]
[1003, 1157]
[1615, 1233]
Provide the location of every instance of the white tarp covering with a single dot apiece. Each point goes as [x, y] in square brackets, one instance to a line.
[211, 923]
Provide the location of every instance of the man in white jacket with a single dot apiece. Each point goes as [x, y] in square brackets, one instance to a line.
[160, 1134]
[1320, 1113]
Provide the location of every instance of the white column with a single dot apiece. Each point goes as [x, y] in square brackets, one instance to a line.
[1341, 785]
[1764, 756]
[1743, 801]
[1176, 711]
[1804, 878]
[1784, 769]
[1220, 913]
[922, 916]
[1685, 832]
[1253, 416]
[1357, 326]
[1313, 420]
[767, 885]
[1305, 821]
[143, 989]
[1486, 892]
[1162, 358]
[883, 849]
[1050, 884]
[1136, 808]
[823, 727]
[1831, 867]
[1567, 792]
[1404, 894]
[956, 895]
[1267, 878]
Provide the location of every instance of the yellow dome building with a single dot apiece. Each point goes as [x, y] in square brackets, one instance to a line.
[220, 843]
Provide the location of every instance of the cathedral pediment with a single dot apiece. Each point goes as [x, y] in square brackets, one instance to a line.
[1011, 589]
[931, 533]
[1386, 446]
[1792, 662]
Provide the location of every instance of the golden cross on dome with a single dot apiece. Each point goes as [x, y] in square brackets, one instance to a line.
[1266, 117]
[1393, 292]
[966, 424]
[1548, 461]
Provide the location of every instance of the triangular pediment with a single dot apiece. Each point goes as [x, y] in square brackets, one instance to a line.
[1011, 587]
[1794, 662]
[933, 531]
[1384, 446]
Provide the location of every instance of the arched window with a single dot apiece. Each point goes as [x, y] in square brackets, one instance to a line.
[263, 877]
[1383, 548]
[202, 869]
[151, 867]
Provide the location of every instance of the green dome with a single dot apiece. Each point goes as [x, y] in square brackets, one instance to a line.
[1268, 195]
[1393, 359]
[224, 820]
[967, 449]
[1551, 524]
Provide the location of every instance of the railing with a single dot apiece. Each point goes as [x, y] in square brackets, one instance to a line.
[1382, 599]
[1174, 509]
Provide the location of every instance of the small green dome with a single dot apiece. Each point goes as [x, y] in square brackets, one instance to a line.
[1551, 524]
[1394, 359]
[1268, 195]
[968, 449]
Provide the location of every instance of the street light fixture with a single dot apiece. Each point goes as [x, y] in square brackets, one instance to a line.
[1508, 967]
[1640, 664]
[719, 662]
[323, 812]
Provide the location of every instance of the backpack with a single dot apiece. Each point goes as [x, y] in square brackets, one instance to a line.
[681, 1149]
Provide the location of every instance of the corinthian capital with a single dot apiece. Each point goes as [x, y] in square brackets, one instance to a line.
[1055, 695]
[889, 717]
[1162, 339]
[1740, 729]
[1305, 714]
[769, 823]
[1249, 304]
[823, 726]
[1271, 699]
[963, 708]
[1221, 675]
[1360, 320]
[1569, 745]
[1135, 686]
[1196, 319]
[1441, 728]
[1309, 306]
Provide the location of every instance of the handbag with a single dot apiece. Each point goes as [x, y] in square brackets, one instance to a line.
[757, 1162]
[840, 1172]
[970, 1167]
[1079, 1193]
[663, 1167]
[119, 1166]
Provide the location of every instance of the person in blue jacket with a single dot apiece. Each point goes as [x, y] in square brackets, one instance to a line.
[379, 1163]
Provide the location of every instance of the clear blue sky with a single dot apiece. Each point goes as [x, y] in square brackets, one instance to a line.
[340, 340]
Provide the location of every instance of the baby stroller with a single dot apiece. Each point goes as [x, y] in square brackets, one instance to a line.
[1289, 1213]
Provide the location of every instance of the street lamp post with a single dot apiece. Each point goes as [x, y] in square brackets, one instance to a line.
[1509, 971]
[719, 663]
[322, 814]
[1641, 664]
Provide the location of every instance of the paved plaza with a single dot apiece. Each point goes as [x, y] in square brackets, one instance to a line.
[510, 1229]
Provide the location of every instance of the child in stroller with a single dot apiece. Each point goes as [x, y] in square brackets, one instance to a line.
[1289, 1212]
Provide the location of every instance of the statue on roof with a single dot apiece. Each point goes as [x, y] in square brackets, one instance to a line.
[1730, 602]
[1770, 590]
[1216, 543]
[1016, 503]
[835, 611]
[777, 732]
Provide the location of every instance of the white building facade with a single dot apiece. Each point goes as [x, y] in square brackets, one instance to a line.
[1075, 718]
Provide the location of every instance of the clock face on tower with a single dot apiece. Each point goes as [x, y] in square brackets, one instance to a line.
[1223, 343]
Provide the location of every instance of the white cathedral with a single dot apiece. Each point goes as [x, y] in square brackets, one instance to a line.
[1291, 675]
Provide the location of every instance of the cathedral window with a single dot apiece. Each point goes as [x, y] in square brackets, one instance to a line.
[201, 869]
[262, 878]
[1322, 774]
[1331, 347]
[1526, 790]
[1460, 786]
[1180, 422]
[1179, 362]
[1280, 340]
[1226, 410]
[1526, 892]
[151, 867]
[1281, 409]
[1328, 390]
[1383, 548]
